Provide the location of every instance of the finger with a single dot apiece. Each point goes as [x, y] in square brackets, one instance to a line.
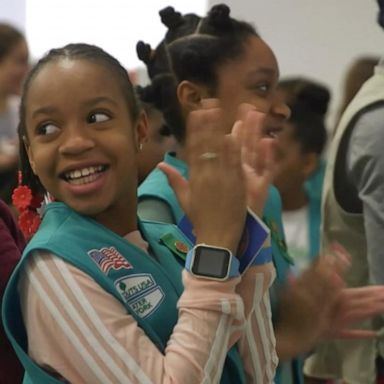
[210, 103]
[356, 334]
[178, 183]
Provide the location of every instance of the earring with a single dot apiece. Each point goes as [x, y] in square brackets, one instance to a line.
[140, 147]
[27, 205]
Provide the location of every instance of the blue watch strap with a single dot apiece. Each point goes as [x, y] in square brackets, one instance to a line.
[263, 257]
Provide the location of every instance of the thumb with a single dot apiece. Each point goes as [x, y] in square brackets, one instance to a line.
[178, 183]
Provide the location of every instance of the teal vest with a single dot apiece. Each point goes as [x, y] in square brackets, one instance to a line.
[156, 186]
[148, 286]
[313, 189]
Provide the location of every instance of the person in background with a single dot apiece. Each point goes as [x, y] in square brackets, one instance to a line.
[13, 68]
[159, 140]
[11, 246]
[220, 57]
[358, 72]
[300, 168]
[353, 215]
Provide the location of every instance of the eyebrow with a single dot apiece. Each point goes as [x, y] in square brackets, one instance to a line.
[262, 71]
[88, 103]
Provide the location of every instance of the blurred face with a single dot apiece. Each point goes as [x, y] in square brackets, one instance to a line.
[293, 165]
[82, 143]
[155, 146]
[252, 78]
[13, 69]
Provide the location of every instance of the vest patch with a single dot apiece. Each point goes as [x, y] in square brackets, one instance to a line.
[140, 292]
[107, 258]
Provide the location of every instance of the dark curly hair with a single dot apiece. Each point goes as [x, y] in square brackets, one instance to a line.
[193, 49]
[308, 101]
[78, 51]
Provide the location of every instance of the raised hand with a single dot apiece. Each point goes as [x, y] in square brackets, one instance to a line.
[257, 155]
[214, 197]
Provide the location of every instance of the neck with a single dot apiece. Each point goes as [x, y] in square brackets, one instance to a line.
[293, 199]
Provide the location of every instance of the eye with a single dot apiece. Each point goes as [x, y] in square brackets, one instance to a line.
[263, 87]
[98, 117]
[47, 129]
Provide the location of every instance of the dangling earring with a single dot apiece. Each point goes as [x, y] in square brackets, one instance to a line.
[27, 205]
[140, 147]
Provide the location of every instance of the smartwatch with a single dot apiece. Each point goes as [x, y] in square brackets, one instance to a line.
[213, 263]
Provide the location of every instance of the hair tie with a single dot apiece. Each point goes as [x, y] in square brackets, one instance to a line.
[170, 18]
[144, 52]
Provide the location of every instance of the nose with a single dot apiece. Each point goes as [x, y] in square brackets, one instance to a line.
[76, 140]
[280, 108]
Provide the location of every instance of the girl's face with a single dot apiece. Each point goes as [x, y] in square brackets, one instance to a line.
[13, 68]
[294, 165]
[252, 78]
[81, 140]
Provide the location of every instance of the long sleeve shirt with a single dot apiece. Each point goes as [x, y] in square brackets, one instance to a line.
[82, 334]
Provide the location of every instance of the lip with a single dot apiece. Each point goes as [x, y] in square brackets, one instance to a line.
[89, 188]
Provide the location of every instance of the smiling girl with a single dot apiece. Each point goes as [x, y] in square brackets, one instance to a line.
[100, 297]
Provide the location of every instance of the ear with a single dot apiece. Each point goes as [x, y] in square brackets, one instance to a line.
[141, 130]
[310, 163]
[29, 153]
[190, 95]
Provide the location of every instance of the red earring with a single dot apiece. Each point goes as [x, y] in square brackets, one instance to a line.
[27, 205]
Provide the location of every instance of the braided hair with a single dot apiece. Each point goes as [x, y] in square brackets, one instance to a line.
[193, 49]
[78, 51]
[308, 101]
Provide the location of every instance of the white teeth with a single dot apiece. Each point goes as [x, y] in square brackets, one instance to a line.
[83, 173]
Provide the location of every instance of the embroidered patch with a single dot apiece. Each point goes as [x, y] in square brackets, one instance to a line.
[141, 293]
[144, 306]
[107, 258]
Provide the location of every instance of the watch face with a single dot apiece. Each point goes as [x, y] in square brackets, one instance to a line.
[211, 262]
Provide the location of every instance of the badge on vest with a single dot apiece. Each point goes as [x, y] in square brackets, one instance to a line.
[140, 292]
[109, 258]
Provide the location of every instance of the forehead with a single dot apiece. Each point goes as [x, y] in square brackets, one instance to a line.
[257, 56]
[67, 79]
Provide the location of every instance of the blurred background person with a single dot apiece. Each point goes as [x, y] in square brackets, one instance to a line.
[300, 169]
[13, 68]
[359, 71]
[159, 139]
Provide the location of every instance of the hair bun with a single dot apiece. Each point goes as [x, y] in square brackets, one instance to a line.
[170, 18]
[218, 16]
[144, 52]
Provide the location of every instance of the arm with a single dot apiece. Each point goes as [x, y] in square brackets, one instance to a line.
[83, 334]
[257, 344]
[365, 162]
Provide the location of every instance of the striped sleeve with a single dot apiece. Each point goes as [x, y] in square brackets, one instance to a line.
[257, 343]
[82, 334]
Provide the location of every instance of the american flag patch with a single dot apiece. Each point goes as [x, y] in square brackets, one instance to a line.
[107, 258]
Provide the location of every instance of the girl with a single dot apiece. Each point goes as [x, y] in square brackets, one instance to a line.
[100, 297]
[299, 176]
[218, 56]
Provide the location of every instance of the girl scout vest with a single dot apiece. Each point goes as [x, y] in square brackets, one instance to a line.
[352, 360]
[156, 186]
[149, 287]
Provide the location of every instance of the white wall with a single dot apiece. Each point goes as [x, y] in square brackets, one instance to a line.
[13, 11]
[317, 38]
